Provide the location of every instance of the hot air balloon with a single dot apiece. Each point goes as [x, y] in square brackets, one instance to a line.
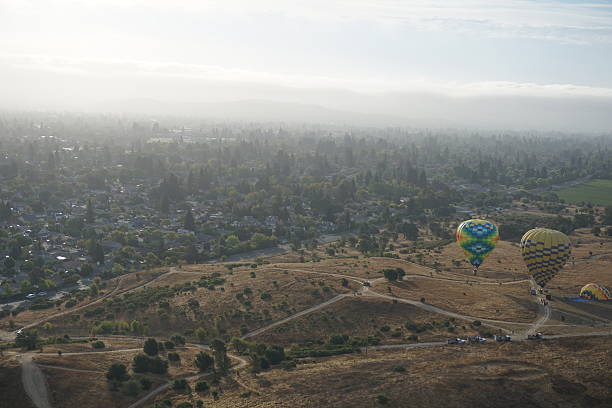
[545, 251]
[477, 238]
[594, 291]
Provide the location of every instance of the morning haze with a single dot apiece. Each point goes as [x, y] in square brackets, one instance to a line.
[305, 204]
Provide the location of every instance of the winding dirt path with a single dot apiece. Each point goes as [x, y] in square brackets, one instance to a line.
[296, 315]
[34, 382]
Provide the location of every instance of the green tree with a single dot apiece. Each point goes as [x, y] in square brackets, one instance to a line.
[117, 372]
[27, 339]
[222, 362]
[204, 361]
[390, 274]
[150, 347]
[189, 223]
[90, 216]
[140, 363]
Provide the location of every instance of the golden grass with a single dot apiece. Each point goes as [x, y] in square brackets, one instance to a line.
[567, 372]
[362, 317]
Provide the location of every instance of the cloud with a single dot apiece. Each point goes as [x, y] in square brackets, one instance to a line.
[126, 69]
[554, 20]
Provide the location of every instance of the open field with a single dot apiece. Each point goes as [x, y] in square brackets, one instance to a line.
[563, 372]
[363, 317]
[594, 191]
[245, 300]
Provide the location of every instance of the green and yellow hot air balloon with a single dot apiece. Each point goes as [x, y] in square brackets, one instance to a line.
[477, 238]
[545, 251]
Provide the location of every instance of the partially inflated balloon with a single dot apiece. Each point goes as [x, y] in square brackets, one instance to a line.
[595, 292]
[545, 251]
[477, 238]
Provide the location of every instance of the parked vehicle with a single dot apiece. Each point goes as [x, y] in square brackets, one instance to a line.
[477, 339]
[40, 294]
[456, 340]
[537, 336]
[30, 296]
[503, 338]
[366, 283]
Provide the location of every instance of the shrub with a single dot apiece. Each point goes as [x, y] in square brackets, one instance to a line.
[131, 388]
[178, 340]
[179, 384]
[145, 383]
[150, 347]
[117, 372]
[382, 399]
[172, 356]
[70, 303]
[399, 369]
[185, 404]
[169, 345]
[201, 386]
[158, 366]
[140, 363]
[204, 361]
[98, 344]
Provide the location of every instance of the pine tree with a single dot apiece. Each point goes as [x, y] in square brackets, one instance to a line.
[189, 221]
[90, 216]
[164, 204]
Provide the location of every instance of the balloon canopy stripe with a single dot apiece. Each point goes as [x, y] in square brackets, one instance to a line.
[545, 251]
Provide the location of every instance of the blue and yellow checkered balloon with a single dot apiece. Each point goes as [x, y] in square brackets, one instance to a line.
[477, 238]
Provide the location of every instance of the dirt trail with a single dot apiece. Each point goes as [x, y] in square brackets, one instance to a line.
[544, 311]
[34, 382]
[296, 315]
[116, 291]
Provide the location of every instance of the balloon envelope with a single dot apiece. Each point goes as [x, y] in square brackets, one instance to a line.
[545, 251]
[595, 292]
[477, 238]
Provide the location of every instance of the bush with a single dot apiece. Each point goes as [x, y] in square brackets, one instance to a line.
[179, 384]
[158, 366]
[185, 404]
[98, 344]
[70, 303]
[399, 369]
[172, 356]
[204, 361]
[169, 345]
[131, 388]
[382, 399]
[178, 340]
[150, 347]
[117, 372]
[145, 383]
[201, 386]
[140, 363]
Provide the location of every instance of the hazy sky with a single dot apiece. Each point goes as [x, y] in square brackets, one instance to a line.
[71, 53]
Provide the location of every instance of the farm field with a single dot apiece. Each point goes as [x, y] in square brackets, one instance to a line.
[594, 191]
